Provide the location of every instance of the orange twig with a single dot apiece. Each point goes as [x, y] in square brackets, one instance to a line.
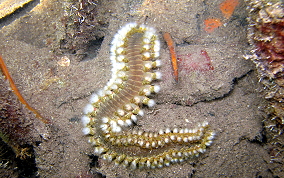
[16, 91]
[171, 47]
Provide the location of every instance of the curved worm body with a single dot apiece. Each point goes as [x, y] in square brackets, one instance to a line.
[134, 52]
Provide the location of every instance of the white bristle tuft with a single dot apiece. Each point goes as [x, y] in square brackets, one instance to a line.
[141, 142]
[118, 81]
[168, 130]
[149, 33]
[140, 132]
[137, 99]
[151, 103]
[88, 108]
[101, 93]
[146, 54]
[86, 131]
[85, 120]
[120, 58]
[128, 27]
[115, 127]
[141, 113]
[175, 130]
[121, 74]
[156, 54]
[146, 41]
[120, 65]
[105, 120]
[104, 127]
[120, 112]
[128, 122]
[158, 63]
[148, 78]
[157, 88]
[204, 124]
[94, 98]
[211, 137]
[114, 87]
[112, 49]
[119, 50]
[148, 65]
[208, 143]
[147, 145]
[134, 118]
[146, 46]
[158, 75]
[120, 122]
[157, 45]
[113, 123]
[99, 150]
[128, 107]
[146, 91]
[105, 88]
[133, 164]
[117, 40]
[143, 27]
[108, 92]
[123, 31]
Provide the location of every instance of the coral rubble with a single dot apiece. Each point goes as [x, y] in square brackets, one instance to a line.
[266, 35]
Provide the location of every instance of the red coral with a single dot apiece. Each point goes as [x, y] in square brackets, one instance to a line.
[195, 62]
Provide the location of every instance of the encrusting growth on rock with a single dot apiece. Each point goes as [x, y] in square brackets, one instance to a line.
[266, 36]
[117, 106]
